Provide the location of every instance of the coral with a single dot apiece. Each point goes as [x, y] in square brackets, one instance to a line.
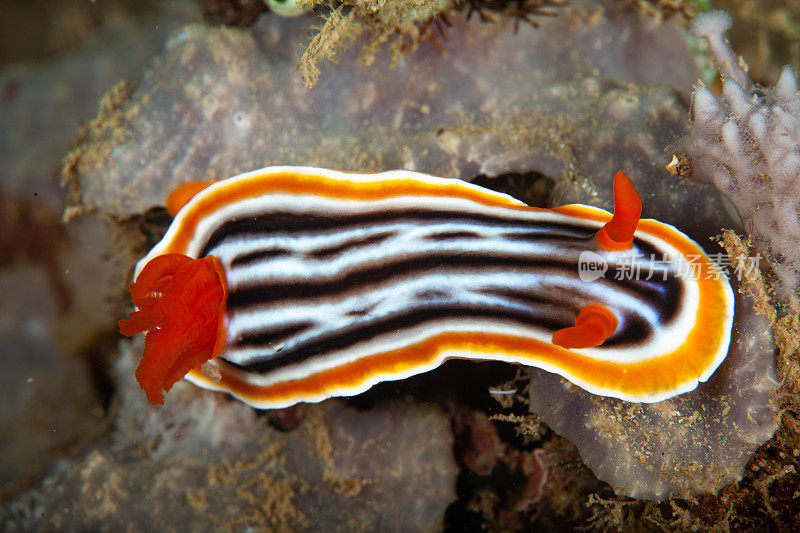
[691, 444]
[747, 144]
[478, 446]
[766, 497]
[767, 33]
[203, 461]
[332, 37]
[404, 24]
[219, 101]
[498, 102]
[56, 281]
[517, 477]
[402, 21]
[727, 417]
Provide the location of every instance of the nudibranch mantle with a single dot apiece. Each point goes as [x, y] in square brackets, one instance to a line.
[333, 282]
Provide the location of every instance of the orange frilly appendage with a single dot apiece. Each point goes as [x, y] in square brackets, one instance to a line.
[593, 326]
[618, 232]
[180, 303]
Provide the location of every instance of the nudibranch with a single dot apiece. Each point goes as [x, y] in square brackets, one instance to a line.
[296, 284]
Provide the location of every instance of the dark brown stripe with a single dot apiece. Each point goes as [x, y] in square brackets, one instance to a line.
[371, 240]
[634, 332]
[663, 295]
[283, 223]
[272, 336]
[452, 236]
[259, 255]
[377, 274]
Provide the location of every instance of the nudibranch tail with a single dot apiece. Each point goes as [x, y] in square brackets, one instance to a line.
[594, 324]
[618, 233]
[180, 303]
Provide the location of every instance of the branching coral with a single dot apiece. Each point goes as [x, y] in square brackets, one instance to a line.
[767, 32]
[747, 143]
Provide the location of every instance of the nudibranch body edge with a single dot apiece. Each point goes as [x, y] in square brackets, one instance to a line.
[332, 282]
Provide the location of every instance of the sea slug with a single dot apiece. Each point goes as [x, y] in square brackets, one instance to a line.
[297, 284]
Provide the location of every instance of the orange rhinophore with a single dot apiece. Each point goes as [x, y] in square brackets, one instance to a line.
[593, 326]
[297, 284]
[617, 234]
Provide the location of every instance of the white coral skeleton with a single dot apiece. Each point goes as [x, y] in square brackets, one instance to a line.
[747, 144]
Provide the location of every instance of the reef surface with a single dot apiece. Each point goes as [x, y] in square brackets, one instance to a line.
[220, 101]
[486, 101]
[494, 102]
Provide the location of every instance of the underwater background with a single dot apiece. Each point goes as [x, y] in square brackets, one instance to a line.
[105, 107]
